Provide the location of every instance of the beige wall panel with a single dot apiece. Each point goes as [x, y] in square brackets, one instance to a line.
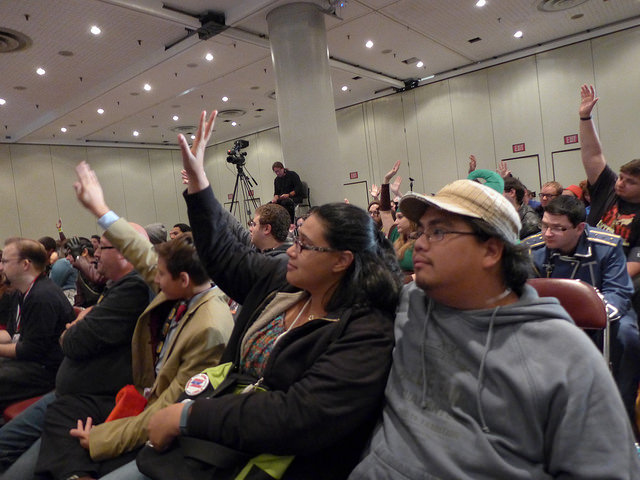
[389, 139]
[264, 149]
[353, 150]
[176, 157]
[616, 59]
[76, 220]
[437, 151]
[471, 112]
[35, 190]
[165, 185]
[106, 163]
[515, 108]
[414, 167]
[9, 219]
[138, 190]
[560, 74]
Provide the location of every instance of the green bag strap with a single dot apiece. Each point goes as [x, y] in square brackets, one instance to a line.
[265, 466]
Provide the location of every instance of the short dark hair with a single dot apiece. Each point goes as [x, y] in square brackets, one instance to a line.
[570, 206]
[277, 165]
[512, 183]
[48, 243]
[31, 250]
[632, 167]
[278, 217]
[181, 256]
[517, 266]
[184, 228]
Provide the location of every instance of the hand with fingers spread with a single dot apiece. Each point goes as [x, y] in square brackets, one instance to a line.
[375, 191]
[503, 170]
[395, 186]
[82, 431]
[193, 158]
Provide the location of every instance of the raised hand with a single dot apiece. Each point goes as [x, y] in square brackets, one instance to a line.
[392, 173]
[193, 158]
[472, 163]
[89, 191]
[375, 191]
[588, 100]
[503, 170]
[395, 186]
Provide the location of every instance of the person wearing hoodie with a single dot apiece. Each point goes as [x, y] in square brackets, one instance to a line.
[489, 380]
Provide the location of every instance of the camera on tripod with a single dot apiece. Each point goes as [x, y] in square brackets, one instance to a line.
[235, 156]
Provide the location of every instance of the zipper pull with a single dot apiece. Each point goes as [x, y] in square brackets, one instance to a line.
[253, 386]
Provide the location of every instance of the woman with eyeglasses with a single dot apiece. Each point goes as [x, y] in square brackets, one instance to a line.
[316, 333]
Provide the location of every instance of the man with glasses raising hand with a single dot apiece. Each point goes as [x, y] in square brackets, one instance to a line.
[569, 248]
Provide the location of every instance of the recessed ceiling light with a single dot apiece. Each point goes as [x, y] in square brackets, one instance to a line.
[193, 137]
[369, 44]
[100, 111]
[518, 34]
[225, 99]
[481, 3]
[96, 30]
[147, 87]
[234, 124]
[136, 133]
[208, 57]
[175, 118]
[344, 88]
[420, 64]
[40, 71]
[427, 78]
[2, 101]
[63, 129]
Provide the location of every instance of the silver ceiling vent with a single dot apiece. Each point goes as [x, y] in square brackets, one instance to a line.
[558, 5]
[231, 113]
[12, 41]
[185, 129]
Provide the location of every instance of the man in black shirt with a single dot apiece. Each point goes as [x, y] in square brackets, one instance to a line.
[287, 188]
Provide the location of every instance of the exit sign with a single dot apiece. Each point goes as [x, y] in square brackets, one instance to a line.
[230, 196]
[569, 139]
[517, 147]
[353, 175]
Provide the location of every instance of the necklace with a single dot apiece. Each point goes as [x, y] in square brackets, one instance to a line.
[293, 324]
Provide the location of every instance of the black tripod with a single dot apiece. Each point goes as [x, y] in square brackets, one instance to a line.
[244, 180]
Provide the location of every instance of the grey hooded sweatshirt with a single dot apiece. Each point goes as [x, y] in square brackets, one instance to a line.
[515, 392]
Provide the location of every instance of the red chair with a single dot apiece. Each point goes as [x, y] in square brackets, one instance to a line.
[581, 301]
[14, 409]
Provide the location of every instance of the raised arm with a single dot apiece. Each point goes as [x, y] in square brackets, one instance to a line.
[591, 150]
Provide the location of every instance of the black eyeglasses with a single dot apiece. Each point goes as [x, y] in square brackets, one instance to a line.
[438, 234]
[303, 246]
[554, 228]
[548, 195]
[104, 247]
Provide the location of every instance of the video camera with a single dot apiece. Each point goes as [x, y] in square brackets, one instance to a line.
[235, 156]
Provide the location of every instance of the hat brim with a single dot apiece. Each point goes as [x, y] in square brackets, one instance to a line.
[413, 205]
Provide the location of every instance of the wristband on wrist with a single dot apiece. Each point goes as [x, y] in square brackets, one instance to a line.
[585, 119]
[184, 416]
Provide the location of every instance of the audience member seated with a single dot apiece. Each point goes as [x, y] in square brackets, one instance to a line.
[157, 233]
[29, 349]
[316, 332]
[63, 274]
[89, 284]
[287, 189]
[514, 192]
[97, 353]
[50, 246]
[488, 380]
[548, 192]
[177, 229]
[269, 229]
[569, 248]
[374, 212]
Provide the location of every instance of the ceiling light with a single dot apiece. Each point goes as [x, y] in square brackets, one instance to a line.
[40, 71]
[234, 124]
[518, 34]
[193, 137]
[175, 118]
[225, 99]
[481, 3]
[96, 30]
[427, 78]
[2, 101]
[147, 87]
[136, 133]
[63, 129]
[344, 88]
[369, 44]
[208, 57]
[100, 111]
[420, 64]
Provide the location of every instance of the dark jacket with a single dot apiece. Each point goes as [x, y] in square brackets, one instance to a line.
[44, 313]
[288, 183]
[326, 378]
[97, 349]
